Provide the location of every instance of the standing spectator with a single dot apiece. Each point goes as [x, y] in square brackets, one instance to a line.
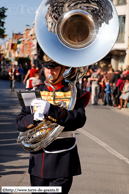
[12, 76]
[31, 73]
[110, 73]
[107, 97]
[126, 71]
[95, 78]
[88, 85]
[84, 80]
[113, 82]
[125, 93]
[21, 73]
[119, 86]
[102, 83]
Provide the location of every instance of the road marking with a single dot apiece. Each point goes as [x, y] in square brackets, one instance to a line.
[3, 132]
[8, 140]
[6, 123]
[104, 145]
[10, 144]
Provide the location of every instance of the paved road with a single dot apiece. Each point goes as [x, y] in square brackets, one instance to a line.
[103, 145]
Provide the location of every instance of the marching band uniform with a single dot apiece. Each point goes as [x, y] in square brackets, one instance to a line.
[64, 164]
[59, 161]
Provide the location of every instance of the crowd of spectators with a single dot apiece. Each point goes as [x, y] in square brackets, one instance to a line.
[111, 87]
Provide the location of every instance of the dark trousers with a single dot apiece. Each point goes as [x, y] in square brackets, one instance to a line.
[102, 91]
[12, 82]
[65, 183]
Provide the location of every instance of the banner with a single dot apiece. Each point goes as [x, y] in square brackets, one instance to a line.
[14, 46]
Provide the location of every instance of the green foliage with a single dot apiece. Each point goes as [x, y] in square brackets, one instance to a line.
[2, 20]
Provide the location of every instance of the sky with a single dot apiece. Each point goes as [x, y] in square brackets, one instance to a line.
[19, 14]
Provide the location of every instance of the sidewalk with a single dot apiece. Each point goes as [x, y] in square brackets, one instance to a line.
[122, 110]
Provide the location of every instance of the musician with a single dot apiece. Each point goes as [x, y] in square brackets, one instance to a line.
[12, 76]
[59, 162]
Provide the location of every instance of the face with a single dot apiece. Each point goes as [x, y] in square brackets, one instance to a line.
[54, 72]
[33, 65]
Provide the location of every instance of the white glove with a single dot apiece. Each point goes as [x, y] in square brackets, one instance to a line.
[42, 105]
[38, 116]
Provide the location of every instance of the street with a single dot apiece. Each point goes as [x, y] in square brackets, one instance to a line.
[103, 145]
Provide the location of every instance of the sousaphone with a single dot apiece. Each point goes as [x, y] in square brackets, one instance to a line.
[76, 34]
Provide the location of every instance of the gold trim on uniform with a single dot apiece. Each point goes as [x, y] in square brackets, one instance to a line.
[52, 119]
[29, 126]
[48, 96]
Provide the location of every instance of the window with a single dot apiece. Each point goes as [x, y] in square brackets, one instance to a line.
[121, 29]
[121, 2]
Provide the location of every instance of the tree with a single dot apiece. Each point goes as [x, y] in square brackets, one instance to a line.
[2, 21]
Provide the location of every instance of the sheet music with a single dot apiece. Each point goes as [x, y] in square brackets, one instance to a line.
[28, 97]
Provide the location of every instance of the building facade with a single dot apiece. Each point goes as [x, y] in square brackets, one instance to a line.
[118, 57]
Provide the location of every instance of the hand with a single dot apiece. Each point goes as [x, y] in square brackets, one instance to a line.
[43, 105]
[38, 116]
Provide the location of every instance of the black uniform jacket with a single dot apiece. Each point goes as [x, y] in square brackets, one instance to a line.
[56, 165]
